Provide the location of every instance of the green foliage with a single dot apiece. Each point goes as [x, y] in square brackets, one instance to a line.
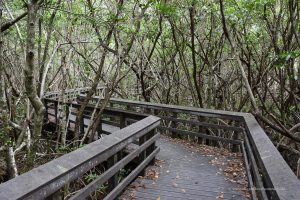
[166, 9]
[90, 177]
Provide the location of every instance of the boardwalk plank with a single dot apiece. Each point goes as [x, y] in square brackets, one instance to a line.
[184, 175]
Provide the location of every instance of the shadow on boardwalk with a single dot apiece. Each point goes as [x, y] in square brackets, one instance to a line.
[180, 173]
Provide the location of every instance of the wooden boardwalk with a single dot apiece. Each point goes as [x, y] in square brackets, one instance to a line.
[183, 174]
[182, 170]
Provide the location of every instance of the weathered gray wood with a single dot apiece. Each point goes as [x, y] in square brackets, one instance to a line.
[122, 120]
[181, 109]
[276, 172]
[117, 191]
[113, 181]
[142, 155]
[174, 124]
[249, 175]
[211, 137]
[113, 170]
[64, 169]
[183, 174]
[203, 124]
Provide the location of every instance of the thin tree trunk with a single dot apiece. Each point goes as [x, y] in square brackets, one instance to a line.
[43, 72]
[196, 82]
[30, 83]
[236, 55]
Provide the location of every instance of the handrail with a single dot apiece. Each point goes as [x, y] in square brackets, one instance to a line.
[272, 177]
[72, 94]
[46, 179]
[269, 175]
[280, 181]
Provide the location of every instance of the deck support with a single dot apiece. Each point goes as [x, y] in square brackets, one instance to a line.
[113, 181]
[143, 154]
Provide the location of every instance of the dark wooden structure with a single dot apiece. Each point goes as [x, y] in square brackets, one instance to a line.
[269, 176]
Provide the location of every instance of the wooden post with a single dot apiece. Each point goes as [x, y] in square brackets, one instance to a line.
[113, 181]
[82, 125]
[142, 155]
[56, 112]
[298, 169]
[147, 110]
[235, 147]
[174, 125]
[122, 121]
[128, 107]
[67, 116]
[201, 130]
[111, 118]
[99, 127]
[151, 148]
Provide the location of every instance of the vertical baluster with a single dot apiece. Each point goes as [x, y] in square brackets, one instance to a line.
[151, 148]
[67, 116]
[56, 112]
[113, 181]
[82, 125]
[174, 125]
[122, 120]
[201, 130]
[142, 155]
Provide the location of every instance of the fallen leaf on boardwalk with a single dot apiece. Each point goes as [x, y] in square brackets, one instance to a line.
[152, 174]
[158, 198]
[220, 196]
[183, 190]
[175, 185]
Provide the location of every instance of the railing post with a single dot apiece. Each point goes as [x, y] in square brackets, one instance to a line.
[67, 116]
[235, 147]
[82, 125]
[201, 130]
[147, 110]
[142, 155]
[99, 127]
[174, 125]
[122, 121]
[56, 112]
[46, 110]
[151, 148]
[113, 181]
[298, 169]
[128, 107]
[112, 119]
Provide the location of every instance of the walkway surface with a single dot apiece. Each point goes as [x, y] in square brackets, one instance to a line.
[180, 173]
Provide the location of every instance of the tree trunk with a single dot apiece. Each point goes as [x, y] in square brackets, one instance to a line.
[30, 83]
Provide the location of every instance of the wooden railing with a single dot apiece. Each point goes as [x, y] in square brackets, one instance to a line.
[46, 180]
[71, 94]
[269, 176]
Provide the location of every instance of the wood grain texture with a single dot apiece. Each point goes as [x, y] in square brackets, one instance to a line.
[183, 175]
